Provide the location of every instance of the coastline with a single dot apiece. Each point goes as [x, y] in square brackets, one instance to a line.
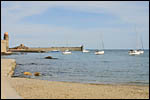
[43, 89]
[7, 70]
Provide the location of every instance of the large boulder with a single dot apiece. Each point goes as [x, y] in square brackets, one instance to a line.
[27, 73]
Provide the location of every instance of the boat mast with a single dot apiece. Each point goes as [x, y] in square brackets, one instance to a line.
[142, 43]
[137, 40]
[102, 42]
[100, 46]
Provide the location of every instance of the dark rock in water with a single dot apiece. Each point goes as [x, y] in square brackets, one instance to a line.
[19, 64]
[36, 74]
[49, 57]
[33, 64]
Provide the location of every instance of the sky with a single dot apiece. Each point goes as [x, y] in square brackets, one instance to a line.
[75, 23]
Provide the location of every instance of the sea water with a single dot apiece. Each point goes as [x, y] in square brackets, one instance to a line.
[114, 67]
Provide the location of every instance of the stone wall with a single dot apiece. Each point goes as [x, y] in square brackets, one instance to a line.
[58, 48]
[3, 46]
[23, 48]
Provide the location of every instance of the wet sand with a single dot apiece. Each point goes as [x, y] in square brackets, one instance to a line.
[43, 89]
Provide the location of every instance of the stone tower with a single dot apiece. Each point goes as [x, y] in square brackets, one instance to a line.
[6, 37]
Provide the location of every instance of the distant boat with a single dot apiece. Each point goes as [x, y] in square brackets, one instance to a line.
[85, 51]
[134, 52]
[55, 51]
[66, 52]
[137, 51]
[100, 52]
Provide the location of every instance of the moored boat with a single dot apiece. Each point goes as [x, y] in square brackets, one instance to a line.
[66, 52]
[137, 51]
[99, 52]
[85, 51]
[134, 52]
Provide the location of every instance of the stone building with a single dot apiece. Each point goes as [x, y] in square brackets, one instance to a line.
[5, 43]
[6, 37]
[3, 46]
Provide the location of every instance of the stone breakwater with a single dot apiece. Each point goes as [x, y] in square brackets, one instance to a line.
[23, 48]
[7, 70]
[46, 49]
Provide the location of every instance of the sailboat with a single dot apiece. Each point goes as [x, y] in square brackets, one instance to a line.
[137, 51]
[100, 52]
[134, 52]
[85, 51]
[141, 50]
[66, 52]
[55, 50]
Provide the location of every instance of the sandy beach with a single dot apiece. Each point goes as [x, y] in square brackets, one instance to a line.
[43, 89]
[35, 89]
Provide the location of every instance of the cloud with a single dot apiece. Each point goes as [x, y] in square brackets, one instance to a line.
[130, 13]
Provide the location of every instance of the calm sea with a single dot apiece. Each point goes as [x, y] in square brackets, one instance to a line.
[114, 67]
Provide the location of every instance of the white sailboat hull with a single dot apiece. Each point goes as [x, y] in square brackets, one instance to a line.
[134, 52]
[141, 52]
[85, 51]
[55, 50]
[99, 52]
[66, 52]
